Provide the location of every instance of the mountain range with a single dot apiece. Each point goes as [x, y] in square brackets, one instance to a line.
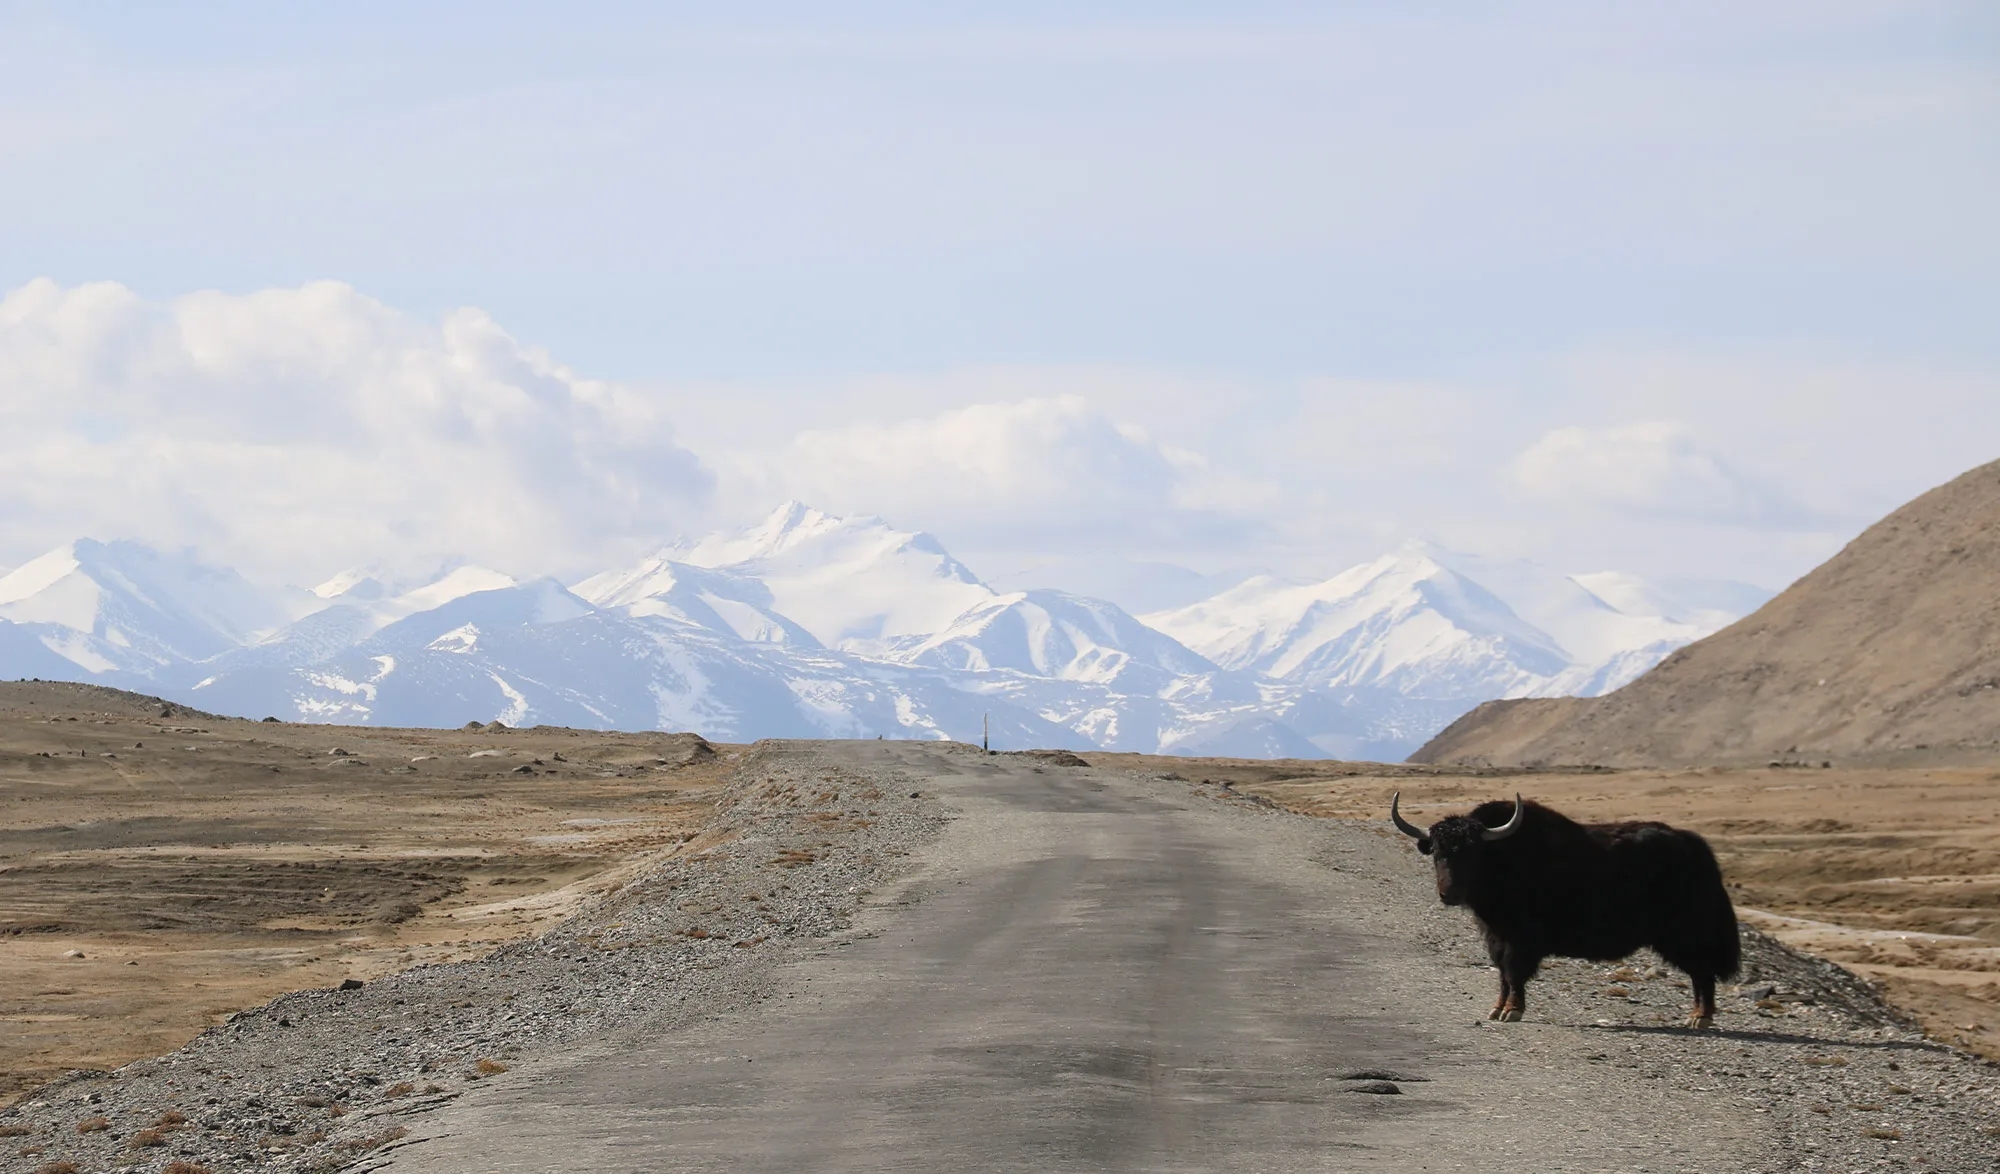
[814, 625]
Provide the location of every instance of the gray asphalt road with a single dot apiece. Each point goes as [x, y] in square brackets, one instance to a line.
[1094, 972]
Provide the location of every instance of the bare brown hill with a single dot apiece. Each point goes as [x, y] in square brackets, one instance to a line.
[1889, 649]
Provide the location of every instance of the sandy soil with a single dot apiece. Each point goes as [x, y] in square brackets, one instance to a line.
[1894, 873]
[161, 869]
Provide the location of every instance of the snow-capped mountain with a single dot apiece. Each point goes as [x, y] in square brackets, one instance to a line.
[121, 606]
[812, 625]
[1403, 623]
[1433, 624]
[718, 600]
[1054, 634]
[855, 583]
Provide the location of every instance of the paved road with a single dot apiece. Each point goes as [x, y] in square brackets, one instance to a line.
[1096, 972]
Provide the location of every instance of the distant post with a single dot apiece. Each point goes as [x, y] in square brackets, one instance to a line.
[986, 732]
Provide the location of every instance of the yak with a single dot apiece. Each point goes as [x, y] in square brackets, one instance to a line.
[1543, 885]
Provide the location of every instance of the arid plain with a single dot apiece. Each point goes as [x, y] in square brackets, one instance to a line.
[161, 869]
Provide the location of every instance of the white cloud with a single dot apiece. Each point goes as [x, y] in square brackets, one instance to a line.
[296, 430]
[1654, 468]
[1050, 471]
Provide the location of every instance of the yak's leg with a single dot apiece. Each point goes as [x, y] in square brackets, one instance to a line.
[1497, 951]
[1506, 998]
[1703, 1014]
[1516, 969]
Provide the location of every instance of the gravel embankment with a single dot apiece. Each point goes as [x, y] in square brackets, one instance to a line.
[1850, 1085]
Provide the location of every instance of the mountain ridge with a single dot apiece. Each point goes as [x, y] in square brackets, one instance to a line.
[810, 624]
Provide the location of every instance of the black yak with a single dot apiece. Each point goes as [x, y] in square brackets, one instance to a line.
[1543, 885]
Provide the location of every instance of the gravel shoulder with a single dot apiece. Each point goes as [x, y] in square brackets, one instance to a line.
[819, 854]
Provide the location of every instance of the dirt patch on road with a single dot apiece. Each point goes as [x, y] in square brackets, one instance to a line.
[161, 869]
[1893, 873]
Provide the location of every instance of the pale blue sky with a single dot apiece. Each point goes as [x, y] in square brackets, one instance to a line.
[1249, 231]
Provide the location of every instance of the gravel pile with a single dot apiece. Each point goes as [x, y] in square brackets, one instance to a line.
[1850, 1084]
[320, 1080]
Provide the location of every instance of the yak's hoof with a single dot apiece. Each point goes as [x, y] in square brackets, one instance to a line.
[1509, 1015]
[1699, 1021]
[1496, 1012]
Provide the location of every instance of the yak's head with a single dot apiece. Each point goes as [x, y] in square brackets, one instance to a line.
[1457, 846]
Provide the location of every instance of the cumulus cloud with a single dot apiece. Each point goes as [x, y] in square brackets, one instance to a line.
[1049, 471]
[1653, 468]
[293, 431]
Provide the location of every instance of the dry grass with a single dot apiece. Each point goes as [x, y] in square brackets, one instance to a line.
[489, 1067]
[414, 830]
[1883, 1134]
[64, 1166]
[15, 1130]
[400, 1089]
[180, 1167]
[93, 1125]
[171, 1119]
[147, 1139]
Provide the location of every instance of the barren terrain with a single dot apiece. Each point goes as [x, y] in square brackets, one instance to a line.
[912, 955]
[162, 869]
[1887, 653]
[1894, 873]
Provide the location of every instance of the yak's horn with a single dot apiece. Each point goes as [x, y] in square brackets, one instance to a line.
[1510, 827]
[1403, 825]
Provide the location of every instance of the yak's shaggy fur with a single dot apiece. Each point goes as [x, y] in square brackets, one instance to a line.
[1555, 887]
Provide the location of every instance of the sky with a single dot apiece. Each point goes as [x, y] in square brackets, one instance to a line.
[1690, 290]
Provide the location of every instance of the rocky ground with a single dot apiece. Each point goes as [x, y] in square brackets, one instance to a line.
[798, 840]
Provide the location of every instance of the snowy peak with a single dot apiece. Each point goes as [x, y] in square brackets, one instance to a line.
[1054, 634]
[454, 584]
[463, 616]
[791, 525]
[354, 584]
[106, 605]
[1432, 623]
[1404, 621]
[855, 583]
[796, 536]
[720, 601]
[356, 604]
